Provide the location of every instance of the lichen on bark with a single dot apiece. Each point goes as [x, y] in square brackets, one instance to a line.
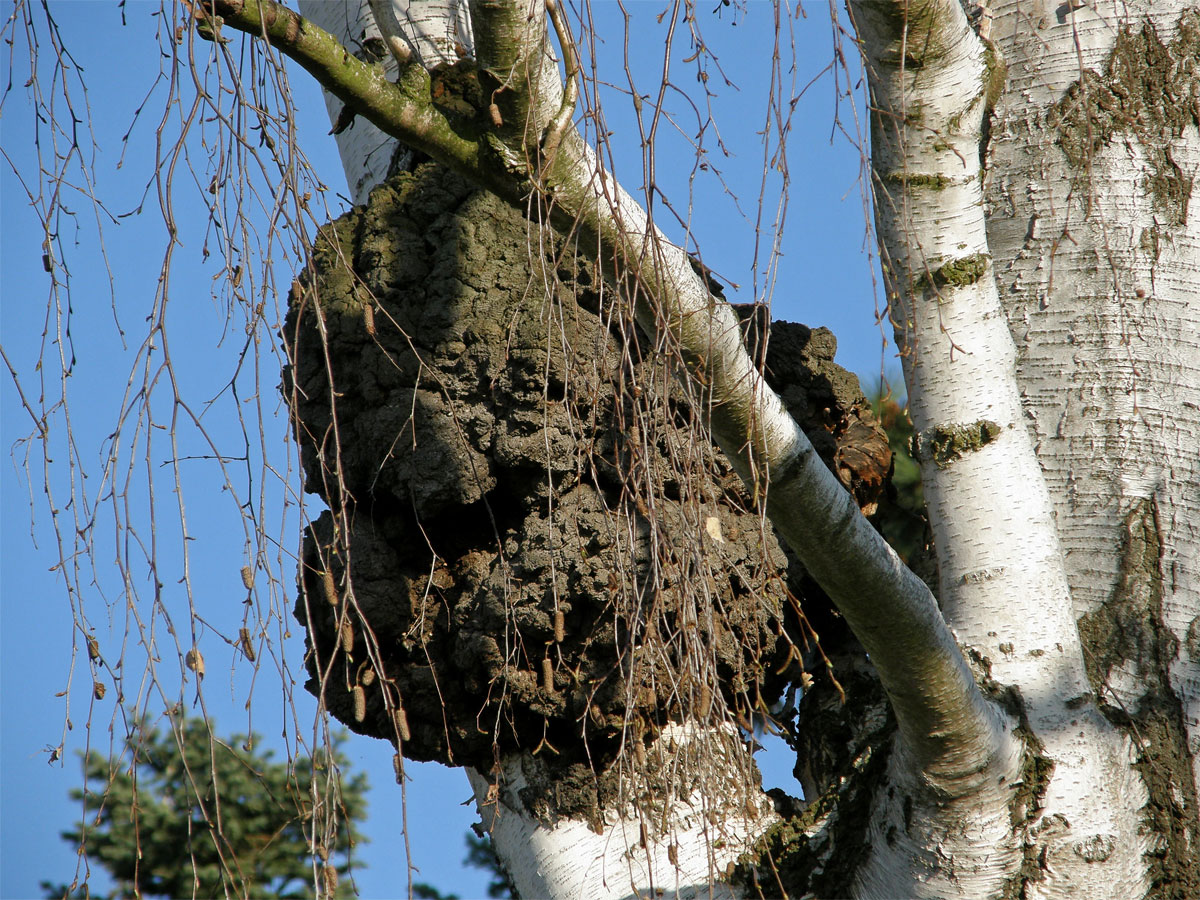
[1148, 90]
[545, 552]
[943, 444]
[958, 272]
[1125, 638]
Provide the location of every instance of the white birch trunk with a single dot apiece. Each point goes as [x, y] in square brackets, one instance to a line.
[1101, 283]
[1003, 585]
[676, 843]
[435, 31]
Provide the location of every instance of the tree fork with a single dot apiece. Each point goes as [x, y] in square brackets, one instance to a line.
[949, 731]
[926, 676]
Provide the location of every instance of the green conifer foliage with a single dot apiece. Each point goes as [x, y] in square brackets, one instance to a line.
[902, 518]
[184, 813]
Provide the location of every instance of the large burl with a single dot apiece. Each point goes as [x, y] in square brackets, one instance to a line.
[532, 546]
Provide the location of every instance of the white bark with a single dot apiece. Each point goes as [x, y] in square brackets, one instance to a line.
[1003, 585]
[1102, 291]
[940, 846]
[434, 30]
[675, 843]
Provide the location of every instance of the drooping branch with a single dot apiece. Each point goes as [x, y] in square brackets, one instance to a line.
[946, 724]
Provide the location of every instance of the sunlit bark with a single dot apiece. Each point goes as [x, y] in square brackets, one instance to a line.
[982, 405]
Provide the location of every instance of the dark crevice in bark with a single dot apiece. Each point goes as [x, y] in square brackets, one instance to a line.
[844, 746]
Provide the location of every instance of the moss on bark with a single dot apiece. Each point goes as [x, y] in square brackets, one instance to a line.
[943, 444]
[1126, 636]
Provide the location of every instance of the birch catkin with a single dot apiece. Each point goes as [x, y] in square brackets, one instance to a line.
[360, 703]
[329, 588]
[245, 642]
[401, 719]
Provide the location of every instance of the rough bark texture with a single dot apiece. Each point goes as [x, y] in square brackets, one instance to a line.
[518, 508]
[1096, 243]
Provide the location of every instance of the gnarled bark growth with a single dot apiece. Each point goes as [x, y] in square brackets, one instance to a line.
[526, 492]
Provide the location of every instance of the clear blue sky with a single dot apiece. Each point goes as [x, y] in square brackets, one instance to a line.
[823, 279]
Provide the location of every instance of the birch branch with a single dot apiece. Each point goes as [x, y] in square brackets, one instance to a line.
[402, 109]
[950, 731]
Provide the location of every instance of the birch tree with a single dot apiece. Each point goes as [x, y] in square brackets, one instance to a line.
[1027, 726]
